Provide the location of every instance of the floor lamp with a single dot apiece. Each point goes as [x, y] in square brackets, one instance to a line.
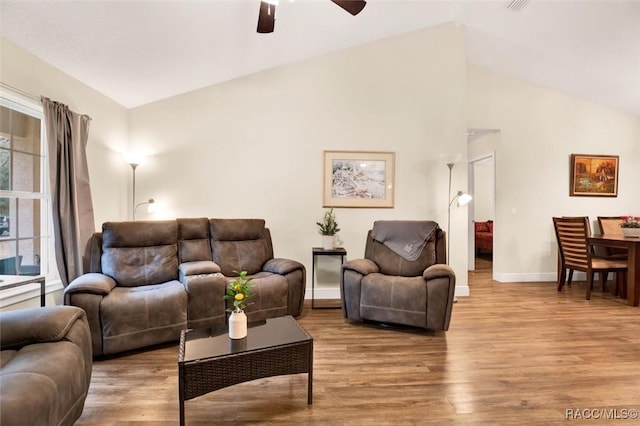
[134, 164]
[133, 196]
[462, 198]
[149, 202]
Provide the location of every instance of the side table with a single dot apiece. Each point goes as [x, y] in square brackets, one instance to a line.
[208, 360]
[12, 281]
[319, 251]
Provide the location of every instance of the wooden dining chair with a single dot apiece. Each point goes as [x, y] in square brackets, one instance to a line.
[577, 255]
[611, 225]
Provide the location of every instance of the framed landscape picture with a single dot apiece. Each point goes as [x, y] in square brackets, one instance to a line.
[594, 175]
[358, 179]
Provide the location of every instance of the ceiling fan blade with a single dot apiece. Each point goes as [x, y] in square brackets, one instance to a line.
[266, 17]
[352, 6]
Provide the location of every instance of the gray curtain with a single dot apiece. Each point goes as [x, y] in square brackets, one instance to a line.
[67, 133]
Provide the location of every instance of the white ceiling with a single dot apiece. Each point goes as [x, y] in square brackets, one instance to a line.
[137, 52]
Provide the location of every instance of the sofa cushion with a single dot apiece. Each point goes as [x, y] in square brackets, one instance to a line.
[139, 234]
[193, 239]
[142, 316]
[270, 296]
[140, 253]
[236, 229]
[394, 299]
[132, 267]
[239, 245]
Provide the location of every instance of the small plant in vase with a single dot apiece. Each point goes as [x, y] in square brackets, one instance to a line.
[328, 228]
[630, 226]
[239, 292]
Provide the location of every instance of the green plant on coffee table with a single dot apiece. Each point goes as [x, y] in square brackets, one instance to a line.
[239, 291]
[630, 222]
[328, 226]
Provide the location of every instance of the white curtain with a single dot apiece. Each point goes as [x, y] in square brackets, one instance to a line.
[73, 224]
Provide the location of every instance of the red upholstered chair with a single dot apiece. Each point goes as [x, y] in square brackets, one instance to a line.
[483, 236]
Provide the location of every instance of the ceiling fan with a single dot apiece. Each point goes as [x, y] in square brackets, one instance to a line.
[267, 15]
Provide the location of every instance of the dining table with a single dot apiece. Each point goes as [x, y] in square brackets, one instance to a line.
[632, 244]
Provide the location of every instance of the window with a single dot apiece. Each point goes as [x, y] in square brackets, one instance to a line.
[25, 241]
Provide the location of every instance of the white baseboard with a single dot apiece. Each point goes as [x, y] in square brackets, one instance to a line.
[524, 277]
[462, 291]
[534, 277]
[323, 293]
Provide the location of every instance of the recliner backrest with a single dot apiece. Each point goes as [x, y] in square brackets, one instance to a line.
[140, 253]
[240, 245]
[95, 253]
[391, 263]
[193, 239]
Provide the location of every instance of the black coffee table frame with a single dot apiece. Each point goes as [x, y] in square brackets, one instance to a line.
[201, 376]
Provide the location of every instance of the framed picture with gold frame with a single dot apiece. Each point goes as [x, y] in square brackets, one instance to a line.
[594, 175]
[358, 179]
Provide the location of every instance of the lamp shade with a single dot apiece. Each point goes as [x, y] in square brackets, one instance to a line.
[464, 199]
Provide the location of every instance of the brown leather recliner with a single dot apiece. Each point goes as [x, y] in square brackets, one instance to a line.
[45, 367]
[386, 287]
[132, 295]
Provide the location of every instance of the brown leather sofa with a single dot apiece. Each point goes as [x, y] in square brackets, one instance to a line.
[149, 280]
[45, 365]
[385, 287]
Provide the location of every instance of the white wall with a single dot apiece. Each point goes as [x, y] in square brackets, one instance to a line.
[483, 190]
[252, 147]
[539, 130]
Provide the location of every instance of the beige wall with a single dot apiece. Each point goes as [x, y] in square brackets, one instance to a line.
[252, 147]
[483, 190]
[109, 174]
[108, 132]
[539, 129]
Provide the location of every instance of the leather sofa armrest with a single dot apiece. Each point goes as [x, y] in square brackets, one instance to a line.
[93, 282]
[438, 270]
[361, 266]
[200, 267]
[281, 266]
[37, 325]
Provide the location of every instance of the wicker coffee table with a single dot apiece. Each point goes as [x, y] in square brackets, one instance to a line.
[209, 360]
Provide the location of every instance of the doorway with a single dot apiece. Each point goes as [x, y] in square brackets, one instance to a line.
[481, 175]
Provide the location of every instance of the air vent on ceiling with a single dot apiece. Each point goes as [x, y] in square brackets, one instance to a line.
[517, 5]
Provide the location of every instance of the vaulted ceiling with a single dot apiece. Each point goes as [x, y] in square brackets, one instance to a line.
[137, 52]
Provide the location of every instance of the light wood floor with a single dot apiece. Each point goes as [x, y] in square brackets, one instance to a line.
[515, 354]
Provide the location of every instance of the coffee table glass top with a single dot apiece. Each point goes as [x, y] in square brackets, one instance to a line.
[213, 342]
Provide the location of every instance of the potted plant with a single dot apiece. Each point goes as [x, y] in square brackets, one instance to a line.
[630, 226]
[239, 291]
[328, 228]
